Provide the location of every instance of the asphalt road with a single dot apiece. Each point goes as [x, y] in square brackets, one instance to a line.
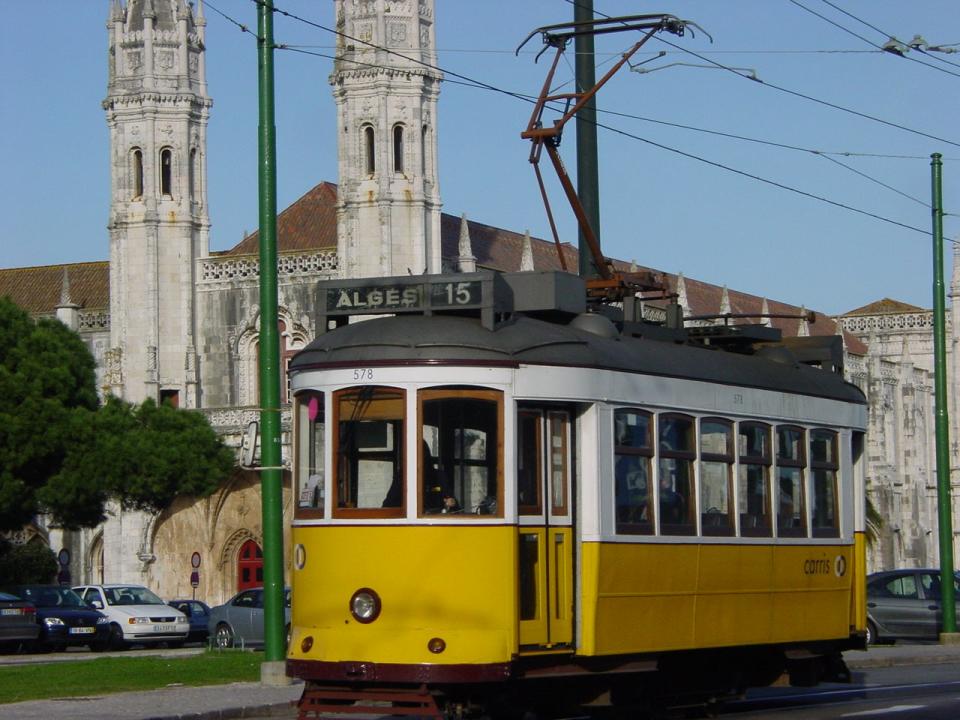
[922, 692]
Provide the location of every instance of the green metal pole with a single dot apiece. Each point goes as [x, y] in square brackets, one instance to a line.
[944, 502]
[270, 453]
[588, 180]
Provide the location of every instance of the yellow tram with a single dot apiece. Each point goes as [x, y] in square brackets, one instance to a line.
[504, 502]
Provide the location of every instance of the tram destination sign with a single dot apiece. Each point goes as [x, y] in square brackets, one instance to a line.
[404, 297]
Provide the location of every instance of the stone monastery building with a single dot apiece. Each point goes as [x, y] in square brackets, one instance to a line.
[168, 319]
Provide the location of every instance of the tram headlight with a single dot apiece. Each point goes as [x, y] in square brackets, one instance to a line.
[365, 605]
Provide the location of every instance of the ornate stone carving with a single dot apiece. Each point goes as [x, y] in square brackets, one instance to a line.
[94, 321]
[247, 267]
[164, 60]
[397, 33]
[113, 373]
[364, 32]
[906, 321]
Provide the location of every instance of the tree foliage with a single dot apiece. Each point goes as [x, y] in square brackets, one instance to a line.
[143, 455]
[63, 455]
[47, 387]
[27, 564]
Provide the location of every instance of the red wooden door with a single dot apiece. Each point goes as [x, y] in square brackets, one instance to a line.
[249, 566]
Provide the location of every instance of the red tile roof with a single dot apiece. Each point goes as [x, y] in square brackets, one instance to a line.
[886, 307]
[38, 289]
[309, 223]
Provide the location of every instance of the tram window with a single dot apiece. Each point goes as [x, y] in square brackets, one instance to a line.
[791, 461]
[369, 452]
[528, 463]
[461, 448]
[310, 457]
[558, 424]
[676, 501]
[633, 449]
[753, 484]
[824, 466]
[716, 477]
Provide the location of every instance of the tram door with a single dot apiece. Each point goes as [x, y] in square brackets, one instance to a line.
[546, 541]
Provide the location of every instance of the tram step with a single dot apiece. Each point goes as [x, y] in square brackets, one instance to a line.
[319, 701]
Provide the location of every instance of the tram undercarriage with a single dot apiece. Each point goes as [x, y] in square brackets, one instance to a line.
[556, 686]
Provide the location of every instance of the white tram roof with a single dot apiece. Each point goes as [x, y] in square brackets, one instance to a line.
[548, 333]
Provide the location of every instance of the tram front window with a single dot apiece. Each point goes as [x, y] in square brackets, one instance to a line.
[309, 466]
[460, 463]
[369, 452]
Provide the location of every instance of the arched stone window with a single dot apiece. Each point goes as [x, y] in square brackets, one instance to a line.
[292, 338]
[370, 148]
[166, 172]
[136, 159]
[398, 148]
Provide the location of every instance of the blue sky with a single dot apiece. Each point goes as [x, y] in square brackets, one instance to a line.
[665, 200]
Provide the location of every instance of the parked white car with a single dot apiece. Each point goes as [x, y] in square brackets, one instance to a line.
[136, 615]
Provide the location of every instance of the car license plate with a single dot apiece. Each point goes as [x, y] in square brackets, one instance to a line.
[11, 611]
[164, 628]
[81, 630]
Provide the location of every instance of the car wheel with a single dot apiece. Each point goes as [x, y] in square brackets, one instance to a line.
[223, 637]
[115, 639]
[872, 638]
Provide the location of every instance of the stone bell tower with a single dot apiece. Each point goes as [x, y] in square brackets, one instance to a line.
[385, 87]
[157, 109]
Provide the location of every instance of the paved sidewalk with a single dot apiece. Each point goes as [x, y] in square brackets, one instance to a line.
[211, 702]
[246, 700]
[902, 654]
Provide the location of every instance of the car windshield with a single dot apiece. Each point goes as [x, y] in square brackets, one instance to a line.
[47, 596]
[130, 595]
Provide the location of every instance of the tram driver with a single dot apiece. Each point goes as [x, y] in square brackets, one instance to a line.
[438, 494]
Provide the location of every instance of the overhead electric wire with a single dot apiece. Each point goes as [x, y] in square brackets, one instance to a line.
[876, 29]
[480, 84]
[860, 37]
[793, 92]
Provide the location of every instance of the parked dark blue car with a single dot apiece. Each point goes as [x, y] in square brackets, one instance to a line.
[63, 617]
[198, 613]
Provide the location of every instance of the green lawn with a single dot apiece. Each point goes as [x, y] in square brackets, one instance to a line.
[119, 674]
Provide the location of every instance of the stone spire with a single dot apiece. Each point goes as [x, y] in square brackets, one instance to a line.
[68, 312]
[526, 257]
[725, 302]
[385, 88]
[682, 295]
[765, 310]
[466, 262]
[804, 329]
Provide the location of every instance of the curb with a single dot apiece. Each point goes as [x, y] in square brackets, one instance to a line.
[247, 711]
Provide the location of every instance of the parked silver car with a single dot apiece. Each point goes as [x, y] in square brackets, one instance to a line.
[239, 621]
[905, 604]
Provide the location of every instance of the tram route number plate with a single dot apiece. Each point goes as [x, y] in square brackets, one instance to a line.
[81, 631]
[386, 298]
